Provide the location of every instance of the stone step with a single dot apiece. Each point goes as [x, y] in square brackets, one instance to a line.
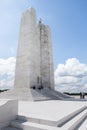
[44, 94]
[32, 126]
[70, 122]
[76, 122]
[37, 120]
[83, 126]
[10, 128]
[62, 95]
[59, 123]
[69, 117]
[34, 94]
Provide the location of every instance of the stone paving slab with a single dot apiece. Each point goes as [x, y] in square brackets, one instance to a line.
[53, 110]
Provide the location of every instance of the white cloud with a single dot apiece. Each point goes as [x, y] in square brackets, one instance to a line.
[7, 68]
[71, 76]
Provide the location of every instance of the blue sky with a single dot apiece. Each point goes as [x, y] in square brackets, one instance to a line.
[66, 18]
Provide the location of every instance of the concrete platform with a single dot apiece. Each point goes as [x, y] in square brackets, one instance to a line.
[50, 115]
[62, 115]
[49, 110]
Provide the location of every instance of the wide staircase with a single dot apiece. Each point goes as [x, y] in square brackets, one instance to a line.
[74, 121]
[34, 94]
[48, 94]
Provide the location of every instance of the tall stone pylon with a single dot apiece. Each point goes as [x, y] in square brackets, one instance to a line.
[46, 57]
[34, 65]
[28, 53]
[34, 73]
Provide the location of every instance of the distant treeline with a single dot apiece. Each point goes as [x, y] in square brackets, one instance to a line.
[73, 93]
[3, 90]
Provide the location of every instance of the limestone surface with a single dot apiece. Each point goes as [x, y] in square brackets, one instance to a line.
[34, 65]
[34, 73]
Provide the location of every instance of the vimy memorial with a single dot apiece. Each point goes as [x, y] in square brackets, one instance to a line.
[34, 57]
[34, 72]
[33, 103]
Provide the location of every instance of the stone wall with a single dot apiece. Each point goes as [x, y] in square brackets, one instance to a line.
[8, 112]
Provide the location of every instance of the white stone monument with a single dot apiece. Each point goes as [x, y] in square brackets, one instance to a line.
[34, 65]
[34, 73]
